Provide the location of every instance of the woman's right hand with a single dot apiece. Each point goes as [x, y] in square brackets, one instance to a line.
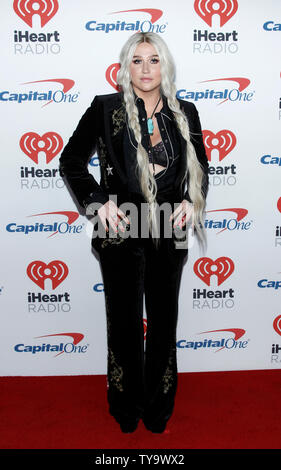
[110, 212]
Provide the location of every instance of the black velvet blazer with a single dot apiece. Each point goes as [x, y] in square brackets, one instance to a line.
[101, 129]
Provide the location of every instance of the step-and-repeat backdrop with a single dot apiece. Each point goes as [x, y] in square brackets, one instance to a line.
[56, 55]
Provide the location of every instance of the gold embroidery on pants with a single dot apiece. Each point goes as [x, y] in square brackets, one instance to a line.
[112, 241]
[108, 324]
[115, 371]
[168, 376]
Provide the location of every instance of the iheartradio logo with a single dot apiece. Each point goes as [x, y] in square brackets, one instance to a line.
[279, 204]
[38, 272]
[111, 75]
[224, 141]
[225, 9]
[32, 143]
[45, 9]
[277, 324]
[205, 267]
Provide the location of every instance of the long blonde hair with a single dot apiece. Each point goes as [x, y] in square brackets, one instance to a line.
[147, 181]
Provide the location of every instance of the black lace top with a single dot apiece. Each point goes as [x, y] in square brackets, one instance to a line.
[158, 154]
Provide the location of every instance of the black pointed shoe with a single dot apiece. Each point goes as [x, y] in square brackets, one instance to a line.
[129, 426]
[156, 427]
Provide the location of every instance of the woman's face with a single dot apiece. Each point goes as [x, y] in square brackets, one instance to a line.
[145, 68]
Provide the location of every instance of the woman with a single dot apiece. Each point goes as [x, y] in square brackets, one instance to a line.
[149, 145]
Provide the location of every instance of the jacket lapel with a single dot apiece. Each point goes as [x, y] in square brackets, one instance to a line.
[183, 163]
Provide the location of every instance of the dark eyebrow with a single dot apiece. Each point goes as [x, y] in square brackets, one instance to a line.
[154, 55]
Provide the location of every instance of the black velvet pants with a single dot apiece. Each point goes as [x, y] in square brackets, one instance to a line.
[142, 369]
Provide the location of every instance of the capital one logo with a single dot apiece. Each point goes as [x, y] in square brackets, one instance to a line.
[238, 333]
[147, 25]
[38, 227]
[62, 347]
[205, 267]
[58, 96]
[32, 143]
[46, 9]
[206, 9]
[233, 223]
[38, 272]
[224, 141]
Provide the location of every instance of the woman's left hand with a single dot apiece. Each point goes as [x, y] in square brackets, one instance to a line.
[182, 214]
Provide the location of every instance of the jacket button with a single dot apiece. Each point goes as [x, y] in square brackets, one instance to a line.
[166, 140]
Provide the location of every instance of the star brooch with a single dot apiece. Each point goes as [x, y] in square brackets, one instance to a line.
[109, 169]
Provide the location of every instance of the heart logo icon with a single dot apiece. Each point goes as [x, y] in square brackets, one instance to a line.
[277, 325]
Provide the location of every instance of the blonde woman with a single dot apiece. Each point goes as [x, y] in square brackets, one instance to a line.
[150, 147]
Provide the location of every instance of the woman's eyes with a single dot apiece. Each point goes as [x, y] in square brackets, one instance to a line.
[152, 61]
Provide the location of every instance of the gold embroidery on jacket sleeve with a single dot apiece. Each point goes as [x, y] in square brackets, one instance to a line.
[103, 160]
[118, 119]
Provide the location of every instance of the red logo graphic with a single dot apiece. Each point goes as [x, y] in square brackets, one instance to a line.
[31, 144]
[277, 325]
[153, 12]
[111, 75]
[46, 9]
[238, 333]
[240, 213]
[144, 327]
[66, 83]
[38, 271]
[224, 8]
[205, 267]
[279, 204]
[224, 141]
[77, 337]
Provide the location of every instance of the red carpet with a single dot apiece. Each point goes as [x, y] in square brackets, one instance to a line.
[214, 410]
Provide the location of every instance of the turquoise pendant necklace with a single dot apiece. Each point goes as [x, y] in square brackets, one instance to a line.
[150, 124]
